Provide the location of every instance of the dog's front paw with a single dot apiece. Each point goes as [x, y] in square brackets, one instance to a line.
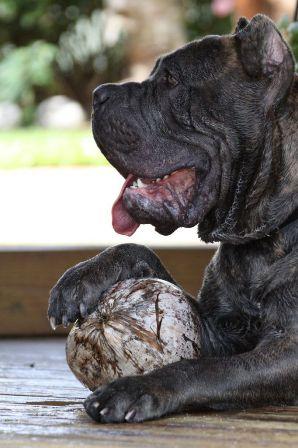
[75, 295]
[130, 399]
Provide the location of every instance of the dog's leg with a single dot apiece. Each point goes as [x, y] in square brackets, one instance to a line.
[77, 292]
[266, 375]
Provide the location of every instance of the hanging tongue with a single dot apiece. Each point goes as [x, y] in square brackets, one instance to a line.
[122, 222]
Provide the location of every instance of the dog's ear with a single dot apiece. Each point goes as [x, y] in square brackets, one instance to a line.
[242, 23]
[265, 55]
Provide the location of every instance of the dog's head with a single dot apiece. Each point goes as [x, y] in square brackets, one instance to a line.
[187, 139]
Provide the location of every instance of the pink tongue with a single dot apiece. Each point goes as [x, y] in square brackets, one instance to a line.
[122, 222]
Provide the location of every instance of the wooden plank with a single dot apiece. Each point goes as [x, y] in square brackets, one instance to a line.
[26, 278]
[41, 406]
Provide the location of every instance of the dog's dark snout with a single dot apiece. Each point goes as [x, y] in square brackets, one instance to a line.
[101, 94]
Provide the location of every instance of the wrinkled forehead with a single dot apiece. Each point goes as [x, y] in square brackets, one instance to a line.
[199, 59]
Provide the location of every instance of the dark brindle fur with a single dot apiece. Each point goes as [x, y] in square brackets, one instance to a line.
[226, 106]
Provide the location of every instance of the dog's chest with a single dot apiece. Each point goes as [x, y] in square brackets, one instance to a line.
[244, 270]
[233, 300]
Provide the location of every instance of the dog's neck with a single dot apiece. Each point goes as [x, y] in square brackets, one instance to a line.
[266, 193]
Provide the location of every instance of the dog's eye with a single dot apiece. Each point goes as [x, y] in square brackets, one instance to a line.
[170, 80]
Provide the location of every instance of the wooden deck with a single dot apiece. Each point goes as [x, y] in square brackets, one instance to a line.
[26, 277]
[41, 406]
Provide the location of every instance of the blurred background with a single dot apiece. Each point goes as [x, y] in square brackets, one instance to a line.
[56, 187]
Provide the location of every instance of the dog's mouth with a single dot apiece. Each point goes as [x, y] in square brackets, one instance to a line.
[164, 202]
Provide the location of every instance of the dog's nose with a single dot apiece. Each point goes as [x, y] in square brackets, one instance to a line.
[101, 94]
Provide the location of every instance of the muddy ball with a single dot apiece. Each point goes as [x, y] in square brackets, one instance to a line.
[139, 325]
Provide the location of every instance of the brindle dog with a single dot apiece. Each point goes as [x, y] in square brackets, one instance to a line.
[210, 138]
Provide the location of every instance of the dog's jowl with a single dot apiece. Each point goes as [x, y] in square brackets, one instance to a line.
[209, 139]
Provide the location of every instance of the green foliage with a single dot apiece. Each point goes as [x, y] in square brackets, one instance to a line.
[48, 47]
[90, 53]
[33, 147]
[200, 21]
[23, 21]
[23, 70]
[293, 40]
[290, 31]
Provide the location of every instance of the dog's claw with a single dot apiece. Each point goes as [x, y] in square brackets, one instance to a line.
[65, 321]
[104, 411]
[130, 415]
[53, 323]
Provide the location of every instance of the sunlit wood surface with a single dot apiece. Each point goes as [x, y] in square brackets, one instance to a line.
[41, 406]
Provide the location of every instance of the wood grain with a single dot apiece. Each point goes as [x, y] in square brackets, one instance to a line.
[26, 278]
[41, 406]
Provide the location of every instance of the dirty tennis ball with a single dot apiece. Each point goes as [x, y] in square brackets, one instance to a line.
[139, 325]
